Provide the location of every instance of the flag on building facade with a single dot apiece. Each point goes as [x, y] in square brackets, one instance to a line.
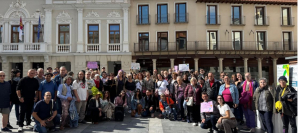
[21, 30]
[38, 29]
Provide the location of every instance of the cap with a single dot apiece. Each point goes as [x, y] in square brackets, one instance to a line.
[283, 78]
[48, 74]
[103, 68]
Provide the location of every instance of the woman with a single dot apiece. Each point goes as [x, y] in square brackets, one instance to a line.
[64, 93]
[179, 96]
[130, 86]
[120, 82]
[148, 82]
[161, 85]
[264, 100]
[138, 104]
[98, 82]
[15, 78]
[230, 93]
[238, 111]
[233, 79]
[107, 106]
[95, 108]
[227, 120]
[111, 87]
[193, 91]
[185, 79]
[173, 83]
[140, 84]
[120, 103]
[104, 77]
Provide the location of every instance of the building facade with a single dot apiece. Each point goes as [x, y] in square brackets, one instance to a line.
[73, 33]
[230, 36]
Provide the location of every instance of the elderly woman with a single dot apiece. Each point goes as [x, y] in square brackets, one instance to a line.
[185, 79]
[193, 92]
[179, 96]
[264, 100]
[98, 82]
[130, 86]
[64, 93]
[230, 93]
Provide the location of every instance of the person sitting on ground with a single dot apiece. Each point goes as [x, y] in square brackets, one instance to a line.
[227, 121]
[137, 104]
[95, 108]
[149, 100]
[44, 112]
[121, 100]
[107, 106]
[166, 107]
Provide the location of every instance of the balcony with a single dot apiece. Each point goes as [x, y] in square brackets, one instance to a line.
[143, 19]
[212, 19]
[114, 47]
[237, 21]
[162, 18]
[93, 48]
[213, 46]
[261, 20]
[63, 48]
[23, 47]
[287, 21]
[181, 17]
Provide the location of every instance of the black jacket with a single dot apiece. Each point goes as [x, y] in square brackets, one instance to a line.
[92, 106]
[149, 102]
[13, 95]
[213, 90]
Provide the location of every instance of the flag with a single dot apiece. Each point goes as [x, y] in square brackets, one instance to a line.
[21, 29]
[38, 29]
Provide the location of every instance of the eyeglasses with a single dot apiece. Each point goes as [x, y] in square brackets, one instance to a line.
[2, 75]
[48, 95]
[219, 98]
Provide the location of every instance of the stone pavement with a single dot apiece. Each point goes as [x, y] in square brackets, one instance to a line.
[133, 125]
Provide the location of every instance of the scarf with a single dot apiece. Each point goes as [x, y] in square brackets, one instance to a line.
[251, 93]
[17, 79]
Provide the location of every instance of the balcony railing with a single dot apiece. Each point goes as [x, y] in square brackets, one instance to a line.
[162, 18]
[222, 45]
[261, 20]
[63, 48]
[93, 48]
[287, 21]
[181, 17]
[23, 47]
[212, 19]
[238, 21]
[143, 19]
[114, 48]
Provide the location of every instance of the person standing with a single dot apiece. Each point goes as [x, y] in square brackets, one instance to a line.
[80, 88]
[149, 82]
[230, 93]
[59, 80]
[120, 82]
[15, 78]
[40, 75]
[48, 85]
[104, 77]
[172, 83]
[111, 87]
[161, 84]
[98, 83]
[221, 80]
[50, 70]
[211, 87]
[5, 101]
[179, 89]
[90, 82]
[238, 112]
[130, 86]
[27, 94]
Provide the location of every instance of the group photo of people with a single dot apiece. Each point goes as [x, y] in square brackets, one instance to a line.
[55, 99]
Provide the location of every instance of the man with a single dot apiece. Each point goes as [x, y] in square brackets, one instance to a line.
[149, 104]
[103, 69]
[59, 80]
[209, 119]
[211, 87]
[49, 70]
[80, 88]
[202, 73]
[197, 74]
[170, 71]
[48, 85]
[221, 80]
[45, 110]
[40, 74]
[27, 94]
[5, 101]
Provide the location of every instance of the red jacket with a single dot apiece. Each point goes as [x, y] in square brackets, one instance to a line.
[169, 101]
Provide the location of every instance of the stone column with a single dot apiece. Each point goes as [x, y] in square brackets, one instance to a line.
[172, 63]
[134, 61]
[104, 63]
[196, 64]
[80, 44]
[6, 31]
[47, 62]
[5, 67]
[220, 64]
[245, 65]
[27, 32]
[154, 64]
[26, 65]
[125, 29]
[275, 71]
[260, 67]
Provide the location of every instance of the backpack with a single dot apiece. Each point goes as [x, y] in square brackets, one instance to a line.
[119, 113]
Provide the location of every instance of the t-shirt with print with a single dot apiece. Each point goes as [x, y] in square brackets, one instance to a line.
[81, 89]
[223, 109]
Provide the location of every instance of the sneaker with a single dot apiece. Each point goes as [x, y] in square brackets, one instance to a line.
[6, 129]
[129, 111]
[199, 124]
[20, 129]
[9, 126]
[195, 124]
[188, 121]
[29, 126]
[252, 130]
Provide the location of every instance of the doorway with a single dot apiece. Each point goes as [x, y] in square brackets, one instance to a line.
[66, 64]
[37, 65]
[18, 66]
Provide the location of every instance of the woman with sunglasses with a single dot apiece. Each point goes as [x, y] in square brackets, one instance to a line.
[138, 104]
[227, 120]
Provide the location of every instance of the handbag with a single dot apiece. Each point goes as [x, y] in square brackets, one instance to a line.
[50, 124]
[244, 99]
[190, 101]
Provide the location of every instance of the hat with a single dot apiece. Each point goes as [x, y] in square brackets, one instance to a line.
[103, 68]
[283, 78]
[49, 68]
[48, 74]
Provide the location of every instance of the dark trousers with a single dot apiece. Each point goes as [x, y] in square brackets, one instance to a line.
[180, 105]
[58, 105]
[210, 122]
[26, 108]
[17, 112]
[95, 115]
[286, 120]
[238, 112]
[147, 112]
[193, 111]
[266, 118]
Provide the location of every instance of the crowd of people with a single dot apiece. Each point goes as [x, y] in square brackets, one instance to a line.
[56, 99]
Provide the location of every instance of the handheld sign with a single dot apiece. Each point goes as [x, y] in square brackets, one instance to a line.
[92, 64]
[207, 107]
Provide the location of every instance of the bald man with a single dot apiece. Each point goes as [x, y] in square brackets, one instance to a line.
[211, 87]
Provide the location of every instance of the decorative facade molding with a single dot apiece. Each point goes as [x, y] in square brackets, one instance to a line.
[4, 59]
[17, 9]
[92, 14]
[15, 22]
[37, 14]
[114, 21]
[36, 21]
[25, 58]
[63, 14]
[93, 21]
[114, 14]
[63, 17]
[17, 4]
[17, 14]
[46, 58]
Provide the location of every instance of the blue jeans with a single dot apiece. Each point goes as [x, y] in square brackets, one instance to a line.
[169, 110]
[17, 110]
[266, 118]
[210, 122]
[42, 129]
[238, 112]
[147, 112]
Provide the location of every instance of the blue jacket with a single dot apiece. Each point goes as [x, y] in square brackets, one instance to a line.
[134, 103]
[234, 92]
[5, 95]
[60, 89]
[57, 79]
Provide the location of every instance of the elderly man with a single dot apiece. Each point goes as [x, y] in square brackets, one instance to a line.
[27, 94]
[40, 74]
[5, 101]
[48, 85]
[211, 87]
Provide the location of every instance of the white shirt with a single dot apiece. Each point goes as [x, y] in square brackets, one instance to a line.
[162, 86]
[81, 89]
[96, 103]
[104, 80]
[223, 109]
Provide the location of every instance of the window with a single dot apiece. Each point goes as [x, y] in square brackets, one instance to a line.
[162, 41]
[162, 13]
[93, 34]
[237, 40]
[261, 40]
[287, 41]
[64, 34]
[144, 41]
[181, 40]
[180, 10]
[211, 14]
[236, 15]
[212, 40]
[260, 17]
[114, 30]
[286, 16]
[1, 30]
[143, 14]
[35, 33]
[15, 34]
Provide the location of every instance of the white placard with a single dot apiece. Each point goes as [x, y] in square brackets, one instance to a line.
[183, 67]
[135, 66]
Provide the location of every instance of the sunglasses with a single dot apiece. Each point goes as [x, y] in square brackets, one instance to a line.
[2, 75]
